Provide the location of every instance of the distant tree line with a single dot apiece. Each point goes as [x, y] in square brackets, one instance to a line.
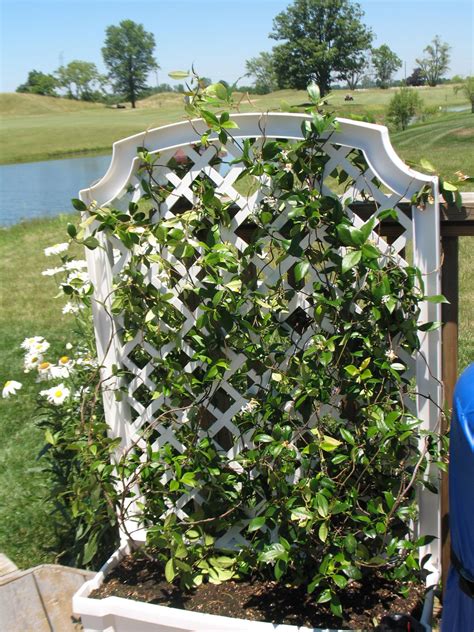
[320, 40]
[326, 41]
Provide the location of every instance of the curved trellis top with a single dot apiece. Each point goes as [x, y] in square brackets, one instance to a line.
[363, 152]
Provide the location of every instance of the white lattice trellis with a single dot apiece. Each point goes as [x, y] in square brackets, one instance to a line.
[364, 152]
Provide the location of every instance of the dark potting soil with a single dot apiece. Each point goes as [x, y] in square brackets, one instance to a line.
[364, 602]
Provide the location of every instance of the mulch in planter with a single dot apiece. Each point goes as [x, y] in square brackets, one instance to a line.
[364, 602]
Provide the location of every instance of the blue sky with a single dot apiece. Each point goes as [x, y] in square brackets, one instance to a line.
[216, 35]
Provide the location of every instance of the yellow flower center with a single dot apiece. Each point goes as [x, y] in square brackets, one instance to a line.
[44, 365]
[7, 383]
[63, 360]
[58, 393]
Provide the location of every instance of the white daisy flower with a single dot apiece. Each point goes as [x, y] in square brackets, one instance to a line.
[58, 371]
[39, 347]
[32, 360]
[29, 342]
[72, 308]
[52, 271]
[57, 249]
[79, 280]
[10, 388]
[57, 394]
[44, 371]
[75, 264]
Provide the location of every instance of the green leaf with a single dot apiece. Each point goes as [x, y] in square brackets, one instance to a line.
[90, 550]
[427, 166]
[230, 125]
[189, 479]
[178, 74]
[301, 514]
[352, 370]
[270, 150]
[314, 92]
[447, 186]
[235, 285]
[263, 438]
[71, 230]
[170, 570]
[49, 437]
[274, 552]
[256, 523]
[322, 505]
[218, 90]
[430, 326]
[347, 436]
[350, 543]
[325, 596]
[91, 243]
[300, 270]
[340, 581]
[436, 298]
[336, 607]
[329, 444]
[323, 532]
[350, 260]
[78, 204]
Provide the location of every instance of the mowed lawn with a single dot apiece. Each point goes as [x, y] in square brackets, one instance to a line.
[41, 128]
[28, 308]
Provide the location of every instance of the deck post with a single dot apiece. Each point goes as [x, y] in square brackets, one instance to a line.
[450, 316]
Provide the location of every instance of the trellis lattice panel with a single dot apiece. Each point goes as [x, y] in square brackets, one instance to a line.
[182, 169]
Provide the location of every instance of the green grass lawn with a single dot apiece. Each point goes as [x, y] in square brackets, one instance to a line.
[41, 128]
[28, 308]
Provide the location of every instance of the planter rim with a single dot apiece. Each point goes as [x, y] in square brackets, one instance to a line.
[109, 609]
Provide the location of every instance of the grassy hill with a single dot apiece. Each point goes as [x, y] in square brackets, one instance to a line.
[16, 104]
[41, 128]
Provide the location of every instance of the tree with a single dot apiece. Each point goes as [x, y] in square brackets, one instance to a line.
[263, 69]
[385, 63]
[355, 71]
[81, 79]
[416, 78]
[436, 62]
[467, 88]
[324, 38]
[128, 55]
[39, 83]
[403, 106]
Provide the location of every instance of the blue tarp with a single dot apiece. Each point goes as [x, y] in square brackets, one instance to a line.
[458, 604]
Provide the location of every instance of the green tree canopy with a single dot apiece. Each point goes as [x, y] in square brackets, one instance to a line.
[262, 68]
[324, 39]
[436, 62]
[385, 63]
[81, 79]
[39, 83]
[128, 55]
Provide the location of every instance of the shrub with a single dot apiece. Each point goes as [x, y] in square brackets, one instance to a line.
[403, 106]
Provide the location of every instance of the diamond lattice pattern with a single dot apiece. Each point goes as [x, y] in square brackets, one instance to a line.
[244, 379]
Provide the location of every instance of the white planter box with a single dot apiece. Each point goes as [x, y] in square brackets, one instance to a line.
[115, 614]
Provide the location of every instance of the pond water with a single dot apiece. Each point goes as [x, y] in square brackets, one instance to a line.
[42, 189]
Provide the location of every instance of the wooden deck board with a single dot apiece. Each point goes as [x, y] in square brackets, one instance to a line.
[40, 599]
